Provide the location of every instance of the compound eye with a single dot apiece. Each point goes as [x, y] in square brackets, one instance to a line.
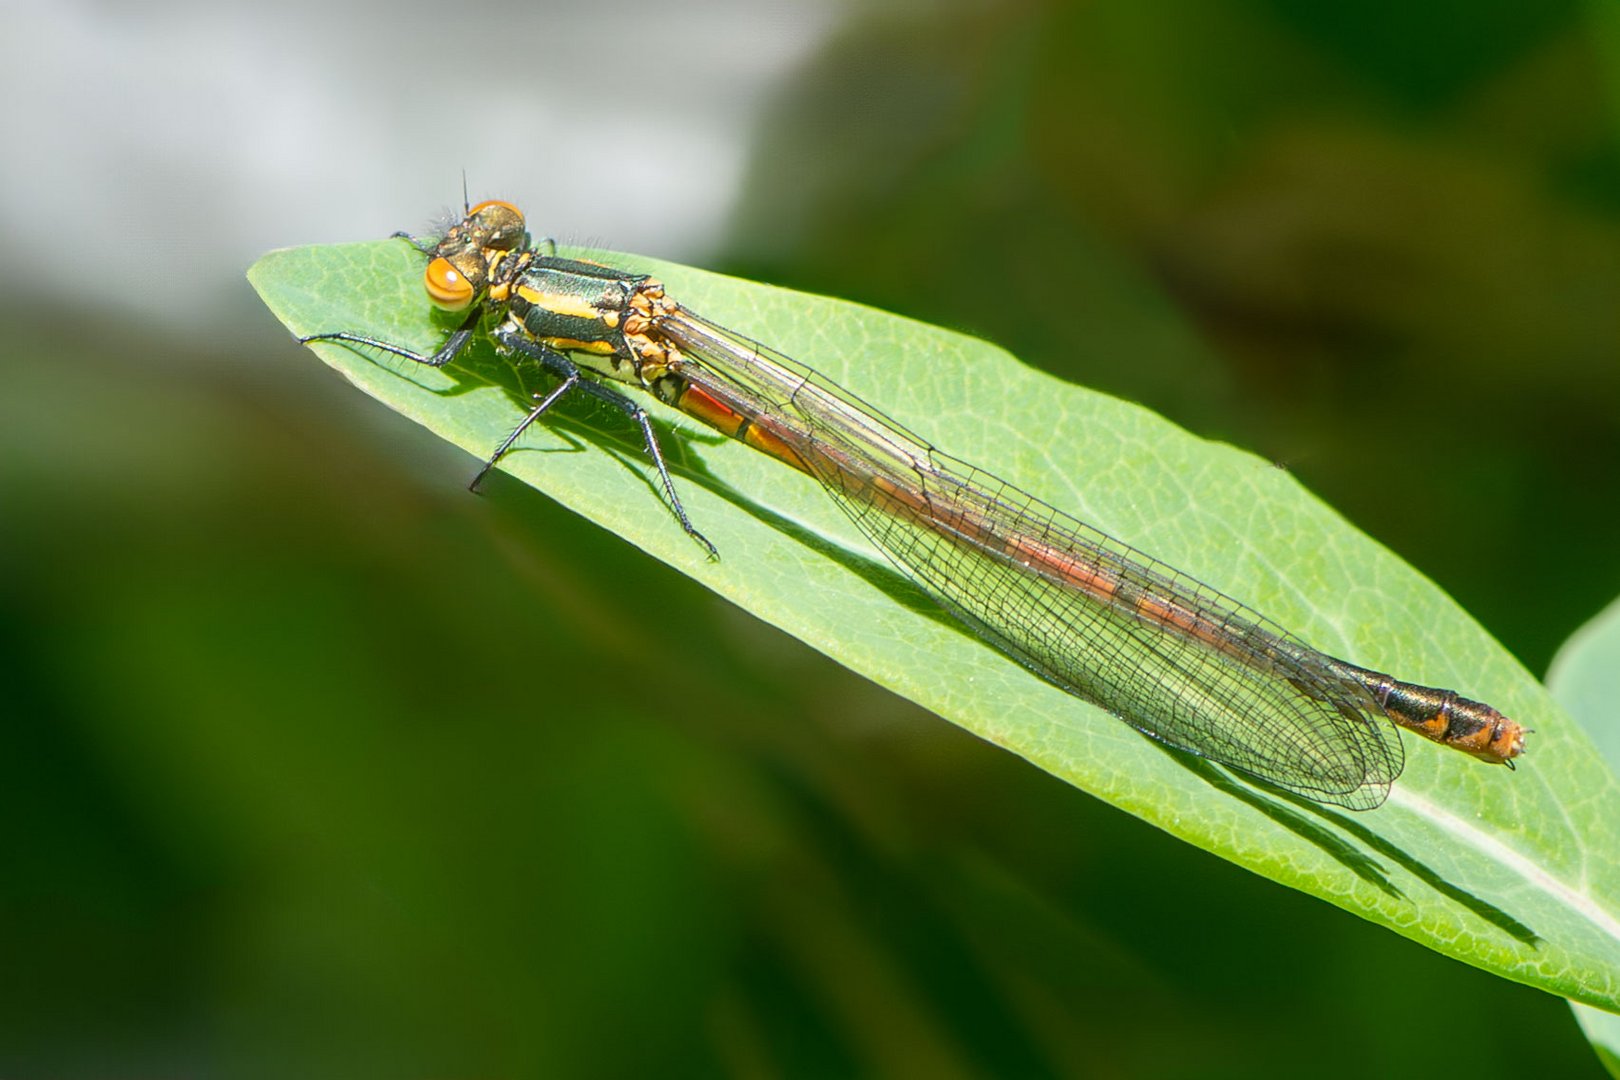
[447, 287]
[502, 224]
[489, 204]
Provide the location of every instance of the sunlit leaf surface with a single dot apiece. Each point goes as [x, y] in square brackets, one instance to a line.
[1511, 871]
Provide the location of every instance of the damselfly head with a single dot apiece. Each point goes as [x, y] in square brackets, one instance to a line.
[464, 261]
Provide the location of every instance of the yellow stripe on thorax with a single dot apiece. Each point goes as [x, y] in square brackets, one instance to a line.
[561, 303]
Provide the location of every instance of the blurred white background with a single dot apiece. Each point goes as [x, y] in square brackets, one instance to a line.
[156, 150]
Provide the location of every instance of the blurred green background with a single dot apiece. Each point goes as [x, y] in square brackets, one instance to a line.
[317, 765]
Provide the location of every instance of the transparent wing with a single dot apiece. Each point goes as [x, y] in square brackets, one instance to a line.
[1171, 656]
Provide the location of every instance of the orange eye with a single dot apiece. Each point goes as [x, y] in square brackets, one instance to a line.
[502, 224]
[488, 203]
[447, 287]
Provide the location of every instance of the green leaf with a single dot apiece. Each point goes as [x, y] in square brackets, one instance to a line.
[1514, 872]
[1585, 678]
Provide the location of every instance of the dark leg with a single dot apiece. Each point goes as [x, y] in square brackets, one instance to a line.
[569, 372]
[452, 347]
[426, 249]
[543, 403]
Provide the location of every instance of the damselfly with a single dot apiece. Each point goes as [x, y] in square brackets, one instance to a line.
[1174, 658]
